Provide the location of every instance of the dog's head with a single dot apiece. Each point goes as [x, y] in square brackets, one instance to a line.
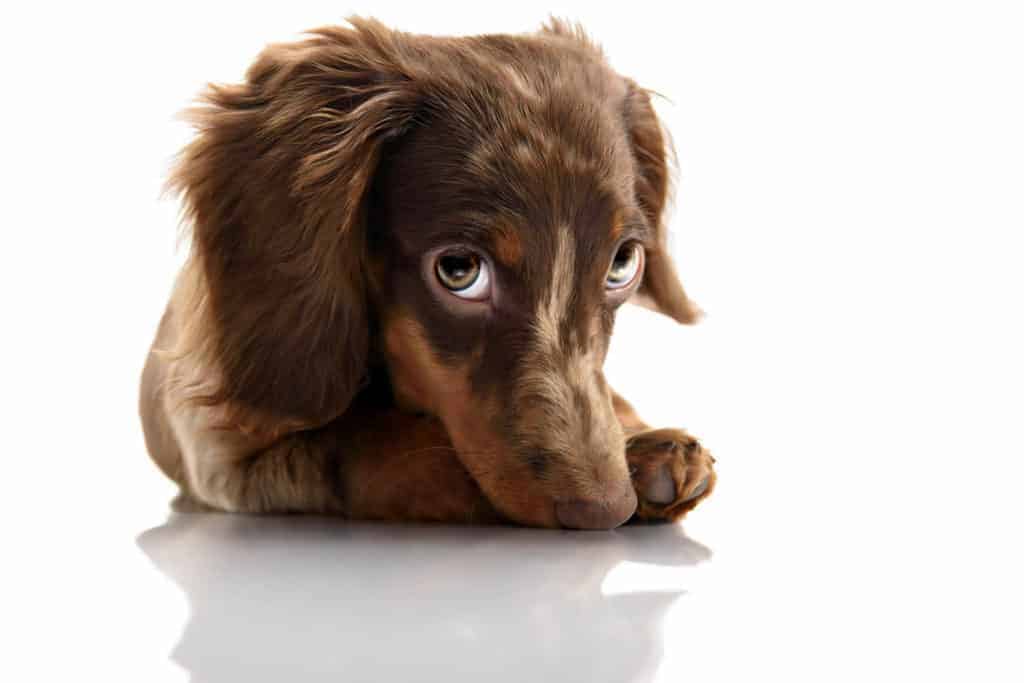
[472, 211]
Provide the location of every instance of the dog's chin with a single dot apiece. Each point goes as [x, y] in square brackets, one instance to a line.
[517, 498]
[520, 498]
[541, 517]
[571, 512]
[520, 495]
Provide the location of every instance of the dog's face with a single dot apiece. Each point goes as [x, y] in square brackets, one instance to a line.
[483, 204]
[502, 249]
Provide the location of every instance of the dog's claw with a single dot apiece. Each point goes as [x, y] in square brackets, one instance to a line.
[701, 488]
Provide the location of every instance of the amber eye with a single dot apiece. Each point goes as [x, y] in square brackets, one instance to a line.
[464, 274]
[625, 266]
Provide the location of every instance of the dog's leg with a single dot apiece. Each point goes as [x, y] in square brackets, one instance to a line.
[402, 467]
[671, 472]
[367, 465]
[235, 470]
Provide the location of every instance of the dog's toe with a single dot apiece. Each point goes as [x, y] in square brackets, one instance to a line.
[660, 487]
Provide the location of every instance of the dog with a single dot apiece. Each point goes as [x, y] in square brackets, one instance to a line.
[407, 253]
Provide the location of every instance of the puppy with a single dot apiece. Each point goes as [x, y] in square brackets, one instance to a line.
[407, 253]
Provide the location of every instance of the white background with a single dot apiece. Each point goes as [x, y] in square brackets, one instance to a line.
[849, 213]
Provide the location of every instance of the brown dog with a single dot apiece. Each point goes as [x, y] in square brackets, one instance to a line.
[407, 255]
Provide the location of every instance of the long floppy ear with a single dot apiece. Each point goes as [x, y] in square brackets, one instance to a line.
[661, 289]
[274, 186]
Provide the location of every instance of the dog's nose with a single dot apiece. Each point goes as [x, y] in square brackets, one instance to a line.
[585, 513]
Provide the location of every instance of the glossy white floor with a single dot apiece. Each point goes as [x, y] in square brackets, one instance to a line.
[849, 216]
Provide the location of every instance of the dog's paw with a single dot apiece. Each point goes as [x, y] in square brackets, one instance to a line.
[671, 473]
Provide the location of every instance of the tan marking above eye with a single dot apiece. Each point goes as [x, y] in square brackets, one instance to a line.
[618, 226]
[508, 248]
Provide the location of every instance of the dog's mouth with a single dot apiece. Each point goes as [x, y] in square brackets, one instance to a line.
[547, 486]
[597, 513]
[545, 489]
[588, 512]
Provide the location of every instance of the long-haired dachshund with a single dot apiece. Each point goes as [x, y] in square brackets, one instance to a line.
[406, 257]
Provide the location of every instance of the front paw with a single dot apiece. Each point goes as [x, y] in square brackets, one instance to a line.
[671, 473]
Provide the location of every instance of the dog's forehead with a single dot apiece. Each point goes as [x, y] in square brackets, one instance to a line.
[524, 110]
[523, 153]
[556, 141]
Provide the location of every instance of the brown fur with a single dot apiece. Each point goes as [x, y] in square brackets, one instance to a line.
[308, 362]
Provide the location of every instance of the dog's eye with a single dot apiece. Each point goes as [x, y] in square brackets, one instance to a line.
[625, 266]
[464, 274]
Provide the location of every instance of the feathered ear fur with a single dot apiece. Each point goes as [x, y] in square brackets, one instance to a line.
[274, 186]
[661, 288]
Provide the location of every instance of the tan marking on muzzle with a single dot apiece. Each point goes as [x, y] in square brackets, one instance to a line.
[593, 454]
[420, 381]
[590, 442]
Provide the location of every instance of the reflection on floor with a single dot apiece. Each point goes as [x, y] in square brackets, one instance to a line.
[310, 599]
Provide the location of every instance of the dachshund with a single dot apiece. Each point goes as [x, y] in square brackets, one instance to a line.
[406, 256]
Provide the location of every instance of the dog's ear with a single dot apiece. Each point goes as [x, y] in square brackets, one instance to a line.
[274, 188]
[661, 289]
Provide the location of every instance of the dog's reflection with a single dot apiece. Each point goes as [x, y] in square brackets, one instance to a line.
[312, 599]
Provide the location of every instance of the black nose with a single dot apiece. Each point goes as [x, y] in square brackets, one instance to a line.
[598, 513]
